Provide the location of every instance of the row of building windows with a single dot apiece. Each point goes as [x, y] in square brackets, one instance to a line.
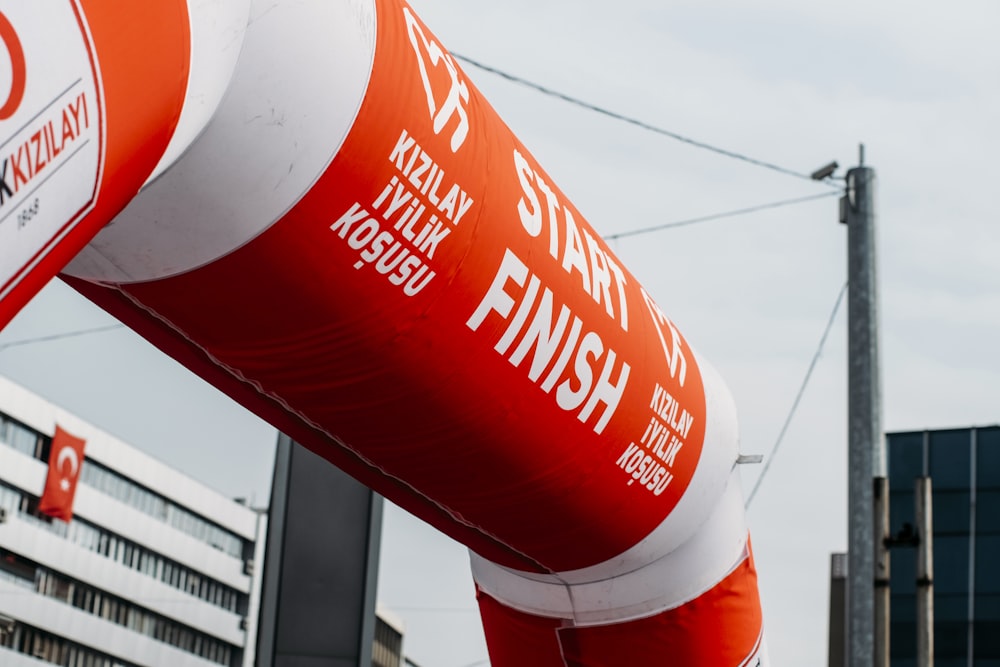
[137, 619]
[129, 554]
[18, 436]
[946, 456]
[56, 650]
[108, 481]
[10, 500]
[35, 444]
[29, 575]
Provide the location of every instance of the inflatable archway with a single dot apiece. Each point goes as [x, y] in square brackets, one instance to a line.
[311, 206]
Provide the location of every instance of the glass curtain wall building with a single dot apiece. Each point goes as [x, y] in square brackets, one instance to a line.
[155, 569]
[964, 467]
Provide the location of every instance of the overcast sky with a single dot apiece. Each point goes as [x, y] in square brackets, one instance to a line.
[793, 83]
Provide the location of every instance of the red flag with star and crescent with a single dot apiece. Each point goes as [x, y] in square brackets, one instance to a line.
[65, 460]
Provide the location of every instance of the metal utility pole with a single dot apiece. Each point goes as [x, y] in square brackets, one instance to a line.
[866, 446]
[925, 573]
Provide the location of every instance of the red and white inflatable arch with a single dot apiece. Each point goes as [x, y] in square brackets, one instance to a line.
[335, 228]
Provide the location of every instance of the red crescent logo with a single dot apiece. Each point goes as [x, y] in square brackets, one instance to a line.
[18, 69]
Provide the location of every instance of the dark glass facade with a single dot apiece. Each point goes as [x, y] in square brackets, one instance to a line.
[964, 467]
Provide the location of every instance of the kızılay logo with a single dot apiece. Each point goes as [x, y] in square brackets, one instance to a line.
[458, 94]
[18, 69]
[52, 137]
[50, 132]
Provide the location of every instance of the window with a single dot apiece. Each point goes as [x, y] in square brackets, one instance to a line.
[125, 490]
[94, 539]
[952, 512]
[18, 436]
[34, 642]
[906, 460]
[109, 482]
[950, 459]
[123, 613]
[988, 457]
[987, 577]
[951, 566]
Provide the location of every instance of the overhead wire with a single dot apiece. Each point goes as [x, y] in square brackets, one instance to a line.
[436, 610]
[719, 216]
[635, 121]
[798, 397]
[68, 334]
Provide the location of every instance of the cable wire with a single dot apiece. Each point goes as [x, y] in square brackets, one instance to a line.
[798, 397]
[435, 610]
[634, 121]
[68, 334]
[718, 216]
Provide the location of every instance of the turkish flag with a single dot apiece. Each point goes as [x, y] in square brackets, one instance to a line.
[65, 460]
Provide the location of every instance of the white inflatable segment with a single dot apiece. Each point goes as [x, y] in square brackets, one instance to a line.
[217, 30]
[666, 583]
[712, 476]
[272, 136]
[693, 549]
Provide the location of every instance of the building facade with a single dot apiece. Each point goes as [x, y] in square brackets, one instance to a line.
[964, 467]
[155, 569]
[387, 646]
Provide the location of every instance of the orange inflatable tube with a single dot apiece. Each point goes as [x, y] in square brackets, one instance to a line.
[355, 247]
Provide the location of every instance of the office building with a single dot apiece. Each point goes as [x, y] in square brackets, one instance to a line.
[154, 569]
[387, 647]
[964, 467]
